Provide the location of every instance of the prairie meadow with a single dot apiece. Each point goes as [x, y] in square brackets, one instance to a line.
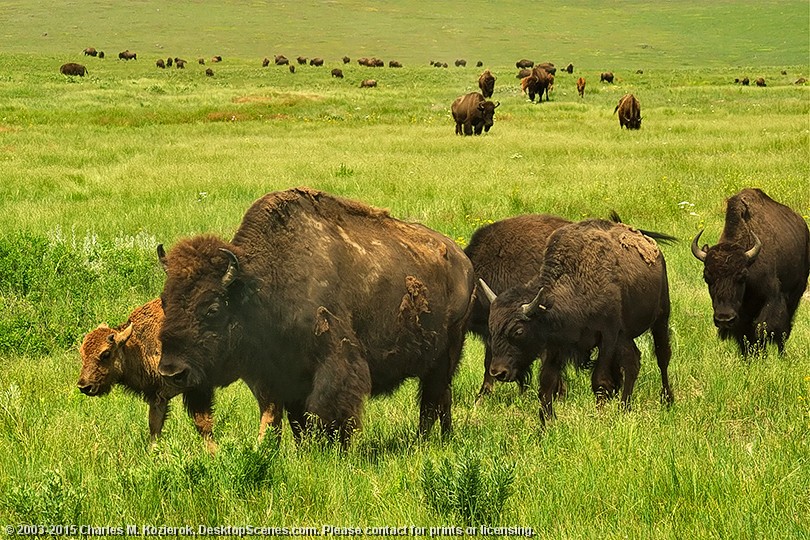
[95, 171]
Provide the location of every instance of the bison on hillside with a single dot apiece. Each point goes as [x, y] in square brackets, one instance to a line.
[757, 272]
[486, 82]
[72, 69]
[606, 76]
[629, 111]
[90, 51]
[473, 113]
[265, 308]
[581, 86]
[127, 55]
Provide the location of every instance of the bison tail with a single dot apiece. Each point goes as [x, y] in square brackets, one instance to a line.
[616, 109]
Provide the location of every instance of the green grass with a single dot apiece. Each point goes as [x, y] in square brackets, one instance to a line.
[94, 172]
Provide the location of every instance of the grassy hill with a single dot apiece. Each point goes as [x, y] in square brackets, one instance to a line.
[96, 171]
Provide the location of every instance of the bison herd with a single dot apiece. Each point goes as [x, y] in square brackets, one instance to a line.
[319, 302]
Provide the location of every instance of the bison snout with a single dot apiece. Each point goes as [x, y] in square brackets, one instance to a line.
[87, 389]
[502, 373]
[724, 320]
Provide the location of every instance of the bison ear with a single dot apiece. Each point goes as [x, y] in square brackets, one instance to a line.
[161, 253]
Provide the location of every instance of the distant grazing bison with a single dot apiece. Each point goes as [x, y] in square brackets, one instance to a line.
[538, 83]
[128, 356]
[745, 81]
[127, 55]
[460, 62]
[394, 64]
[473, 113]
[480, 63]
[201, 61]
[760, 82]
[569, 68]
[179, 63]
[506, 254]
[216, 58]
[281, 60]
[101, 54]
[316, 62]
[548, 67]
[160, 63]
[72, 68]
[524, 63]
[264, 308]
[169, 62]
[581, 86]
[368, 83]
[601, 285]
[302, 60]
[629, 111]
[265, 62]
[606, 76]
[346, 59]
[209, 72]
[757, 272]
[486, 82]
[292, 68]
[338, 73]
[90, 51]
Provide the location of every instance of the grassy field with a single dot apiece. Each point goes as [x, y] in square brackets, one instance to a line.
[95, 171]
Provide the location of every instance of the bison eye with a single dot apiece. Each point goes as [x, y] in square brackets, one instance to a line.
[104, 356]
[517, 332]
[213, 310]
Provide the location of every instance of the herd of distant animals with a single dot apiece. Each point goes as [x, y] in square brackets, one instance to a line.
[319, 302]
[472, 113]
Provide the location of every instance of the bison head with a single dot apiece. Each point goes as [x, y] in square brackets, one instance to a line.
[487, 109]
[725, 270]
[101, 353]
[515, 333]
[201, 300]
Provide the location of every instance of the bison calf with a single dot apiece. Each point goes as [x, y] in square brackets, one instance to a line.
[473, 113]
[581, 87]
[128, 356]
[629, 111]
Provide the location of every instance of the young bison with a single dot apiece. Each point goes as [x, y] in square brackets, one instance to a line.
[128, 356]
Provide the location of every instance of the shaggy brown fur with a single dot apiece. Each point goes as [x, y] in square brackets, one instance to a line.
[128, 356]
[629, 111]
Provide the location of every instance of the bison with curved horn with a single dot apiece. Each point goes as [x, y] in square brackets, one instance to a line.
[757, 272]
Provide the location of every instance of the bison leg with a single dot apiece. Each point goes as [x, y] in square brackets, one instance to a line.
[458, 128]
[435, 386]
[550, 383]
[602, 382]
[199, 404]
[158, 410]
[468, 128]
[271, 411]
[630, 358]
[489, 380]
[297, 418]
[479, 128]
[773, 323]
[663, 353]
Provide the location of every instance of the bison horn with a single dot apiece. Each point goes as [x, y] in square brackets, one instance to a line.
[696, 251]
[531, 308]
[233, 268]
[752, 253]
[162, 257]
[497, 104]
[487, 291]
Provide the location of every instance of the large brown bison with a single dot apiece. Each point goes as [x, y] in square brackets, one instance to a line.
[346, 59]
[539, 82]
[524, 63]
[127, 55]
[606, 76]
[128, 356]
[760, 82]
[473, 113]
[281, 60]
[179, 63]
[548, 67]
[337, 72]
[460, 62]
[757, 272]
[601, 285]
[317, 303]
[72, 68]
[90, 51]
[316, 62]
[523, 73]
[302, 60]
[160, 63]
[506, 254]
[486, 82]
[581, 86]
[629, 111]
